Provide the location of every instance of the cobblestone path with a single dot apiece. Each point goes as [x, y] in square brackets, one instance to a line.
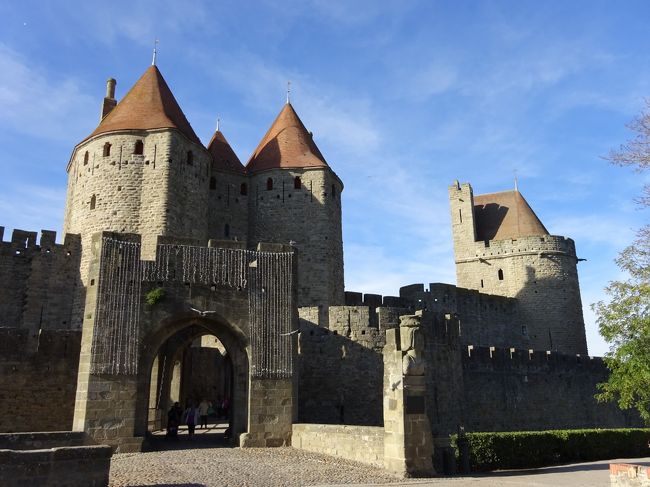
[234, 467]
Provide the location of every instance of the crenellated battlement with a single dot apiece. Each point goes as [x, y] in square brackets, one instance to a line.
[547, 245]
[28, 240]
[502, 358]
[37, 279]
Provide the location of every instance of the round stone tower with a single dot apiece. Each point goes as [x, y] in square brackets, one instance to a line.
[228, 194]
[142, 170]
[501, 247]
[295, 198]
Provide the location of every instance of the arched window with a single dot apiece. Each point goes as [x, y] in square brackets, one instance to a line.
[213, 183]
[297, 184]
[138, 149]
[86, 158]
[500, 274]
[93, 202]
[190, 157]
[107, 149]
[226, 230]
[269, 184]
[243, 189]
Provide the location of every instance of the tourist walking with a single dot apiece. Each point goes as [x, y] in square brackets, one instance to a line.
[204, 407]
[191, 418]
[174, 420]
[225, 406]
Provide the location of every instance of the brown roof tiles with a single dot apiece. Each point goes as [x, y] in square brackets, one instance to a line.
[149, 104]
[505, 215]
[223, 156]
[287, 144]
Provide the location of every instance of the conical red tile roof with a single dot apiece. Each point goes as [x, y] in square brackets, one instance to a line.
[500, 216]
[287, 144]
[223, 156]
[149, 104]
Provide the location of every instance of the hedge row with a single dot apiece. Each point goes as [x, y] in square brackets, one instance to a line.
[528, 449]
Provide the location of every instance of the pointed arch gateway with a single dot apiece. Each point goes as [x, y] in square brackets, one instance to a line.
[172, 378]
[137, 312]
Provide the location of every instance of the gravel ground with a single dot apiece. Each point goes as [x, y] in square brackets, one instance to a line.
[234, 467]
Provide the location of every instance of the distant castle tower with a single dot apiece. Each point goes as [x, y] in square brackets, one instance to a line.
[502, 248]
[296, 197]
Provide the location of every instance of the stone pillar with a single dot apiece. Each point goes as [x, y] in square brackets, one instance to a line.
[105, 404]
[408, 443]
[270, 413]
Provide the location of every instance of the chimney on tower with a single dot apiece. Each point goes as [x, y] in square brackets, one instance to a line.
[109, 99]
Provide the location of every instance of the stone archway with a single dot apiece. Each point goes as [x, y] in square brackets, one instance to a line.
[244, 297]
[177, 335]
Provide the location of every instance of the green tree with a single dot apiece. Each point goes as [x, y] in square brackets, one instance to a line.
[624, 320]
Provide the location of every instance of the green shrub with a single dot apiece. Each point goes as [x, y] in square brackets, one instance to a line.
[154, 296]
[528, 449]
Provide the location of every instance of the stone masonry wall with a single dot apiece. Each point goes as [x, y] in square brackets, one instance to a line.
[510, 390]
[39, 353]
[310, 217]
[340, 367]
[484, 319]
[156, 193]
[485, 389]
[358, 443]
[228, 203]
[37, 280]
[38, 379]
[540, 271]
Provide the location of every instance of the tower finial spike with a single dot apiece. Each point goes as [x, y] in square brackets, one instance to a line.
[516, 181]
[218, 120]
[288, 92]
[155, 45]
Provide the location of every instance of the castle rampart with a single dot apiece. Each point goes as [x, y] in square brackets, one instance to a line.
[340, 372]
[37, 279]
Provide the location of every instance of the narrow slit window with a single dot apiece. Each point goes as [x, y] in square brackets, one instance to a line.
[269, 184]
[190, 157]
[93, 202]
[138, 148]
[297, 184]
[86, 156]
[213, 183]
[243, 189]
[226, 230]
[460, 215]
[107, 149]
[500, 274]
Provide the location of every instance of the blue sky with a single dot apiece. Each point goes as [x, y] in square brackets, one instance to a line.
[403, 98]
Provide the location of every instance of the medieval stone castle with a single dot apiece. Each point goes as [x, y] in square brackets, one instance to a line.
[253, 255]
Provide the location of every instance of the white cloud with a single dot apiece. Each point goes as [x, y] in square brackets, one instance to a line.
[36, 103]
[339, 118]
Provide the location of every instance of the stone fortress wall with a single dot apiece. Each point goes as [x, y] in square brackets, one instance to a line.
[480, 376]
[39, 352]
[489, 387]
[539, 271]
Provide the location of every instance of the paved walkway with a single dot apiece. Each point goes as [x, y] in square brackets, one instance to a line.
[593, 474]
[205, 461]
